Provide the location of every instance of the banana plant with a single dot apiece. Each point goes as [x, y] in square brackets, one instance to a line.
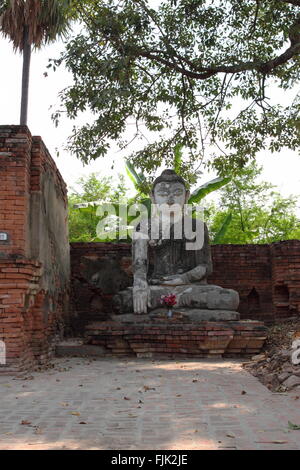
[197, 194]
[139, 181]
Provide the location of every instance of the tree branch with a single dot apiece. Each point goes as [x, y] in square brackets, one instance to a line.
[253, 27]
[202, 73]
[292, 2]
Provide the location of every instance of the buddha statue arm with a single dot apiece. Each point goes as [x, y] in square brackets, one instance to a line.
[204, 269]
[140, 266]
[196, 274]
[200, 272]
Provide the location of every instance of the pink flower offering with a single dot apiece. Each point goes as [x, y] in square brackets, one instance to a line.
[168, 300]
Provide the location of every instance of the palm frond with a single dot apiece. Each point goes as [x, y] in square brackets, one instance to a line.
[43, 20]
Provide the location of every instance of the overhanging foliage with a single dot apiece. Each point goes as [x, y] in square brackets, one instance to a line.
[196, 73]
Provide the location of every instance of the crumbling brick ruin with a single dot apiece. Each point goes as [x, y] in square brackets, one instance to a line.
[34, 249]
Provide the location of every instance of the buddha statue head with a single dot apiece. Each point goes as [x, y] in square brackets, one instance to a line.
[169, 189]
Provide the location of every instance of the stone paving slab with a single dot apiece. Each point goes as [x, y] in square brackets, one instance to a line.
[137, 404]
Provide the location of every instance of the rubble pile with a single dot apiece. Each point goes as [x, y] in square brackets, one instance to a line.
[274, 366]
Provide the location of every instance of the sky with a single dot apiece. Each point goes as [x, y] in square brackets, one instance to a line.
[282, 170]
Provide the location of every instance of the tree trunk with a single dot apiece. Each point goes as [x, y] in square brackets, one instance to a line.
[25, 78]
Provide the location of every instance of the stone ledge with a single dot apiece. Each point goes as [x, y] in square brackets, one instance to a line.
[204, 339]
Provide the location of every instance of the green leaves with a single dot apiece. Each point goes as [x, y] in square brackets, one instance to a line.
[223, 229]
[178, 158]
[92, 191]
[207, 188]
[175, 72]
[138, 179]
[294, 427]
[259, 214]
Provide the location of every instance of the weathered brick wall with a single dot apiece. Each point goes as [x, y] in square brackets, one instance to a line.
[34, 260]
[98, 270]
[247, 269]
[267, 278]
[285, 259]
[15, 158]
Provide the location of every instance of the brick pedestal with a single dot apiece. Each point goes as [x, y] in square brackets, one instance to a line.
[205, 339]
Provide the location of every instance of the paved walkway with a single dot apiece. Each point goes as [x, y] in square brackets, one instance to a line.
[144, 404]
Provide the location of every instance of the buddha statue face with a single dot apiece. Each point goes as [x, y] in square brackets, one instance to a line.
[169, 193]
[169, 190]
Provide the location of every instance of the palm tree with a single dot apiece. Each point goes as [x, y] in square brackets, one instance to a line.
[32, 23]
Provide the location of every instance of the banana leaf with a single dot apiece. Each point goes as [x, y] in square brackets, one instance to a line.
[223, 229]
[177, 157]
[136, 178]
[207, 188]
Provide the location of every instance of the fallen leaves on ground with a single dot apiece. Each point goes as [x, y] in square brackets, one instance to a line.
[271, 442]
[146, 388]
[294, 427]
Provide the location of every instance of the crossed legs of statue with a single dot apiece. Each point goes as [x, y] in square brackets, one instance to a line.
[206, 296]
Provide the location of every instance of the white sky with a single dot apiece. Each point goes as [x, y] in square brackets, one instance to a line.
[281, 169]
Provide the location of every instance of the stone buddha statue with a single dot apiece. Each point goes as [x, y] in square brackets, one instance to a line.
[178, 246]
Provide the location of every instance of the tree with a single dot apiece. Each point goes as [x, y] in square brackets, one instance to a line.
[30, 23]
[258, 213]
[198, 73]
[82, 215]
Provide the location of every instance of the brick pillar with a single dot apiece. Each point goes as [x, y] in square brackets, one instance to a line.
[15, 156]
[34, 249]
[286, 278]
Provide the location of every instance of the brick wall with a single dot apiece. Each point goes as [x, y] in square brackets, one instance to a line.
[267, 278]
[285, 259]
[98, 270]
[15, 158]
[247, 269]
[34, 257]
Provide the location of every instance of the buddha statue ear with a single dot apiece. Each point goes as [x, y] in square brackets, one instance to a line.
[187, 196]
[186, 201]
[154, 209]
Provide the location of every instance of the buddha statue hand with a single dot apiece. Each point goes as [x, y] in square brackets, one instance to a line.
[174, 280]
[140, 297]
[196, 274]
